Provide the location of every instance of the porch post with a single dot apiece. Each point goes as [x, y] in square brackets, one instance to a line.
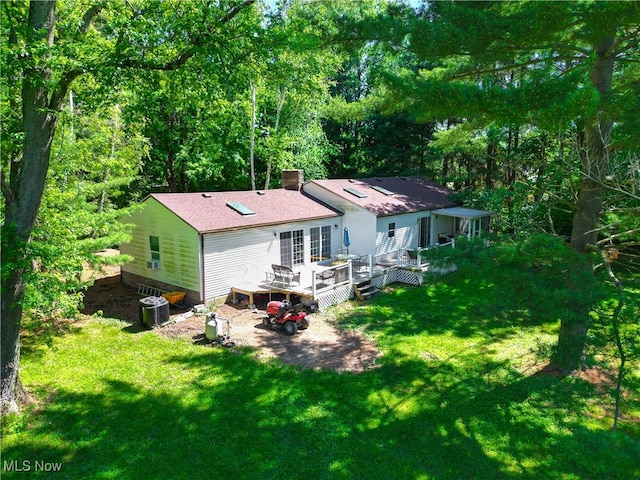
[313, 283]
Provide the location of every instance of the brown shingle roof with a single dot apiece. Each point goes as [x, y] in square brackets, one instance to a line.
[410, 194]
[208, 212]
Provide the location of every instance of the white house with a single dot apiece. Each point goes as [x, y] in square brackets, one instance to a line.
[209, 243]
[385, 214]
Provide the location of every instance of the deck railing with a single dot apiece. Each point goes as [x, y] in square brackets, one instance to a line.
[327, 277]
[369, 264]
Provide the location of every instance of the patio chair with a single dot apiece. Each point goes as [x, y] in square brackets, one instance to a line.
[361, 263]
[285, 275]
[413, 257]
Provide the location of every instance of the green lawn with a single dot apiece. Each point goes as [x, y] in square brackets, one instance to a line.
[455, 396]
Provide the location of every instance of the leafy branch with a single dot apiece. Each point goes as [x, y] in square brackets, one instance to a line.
[196, 42]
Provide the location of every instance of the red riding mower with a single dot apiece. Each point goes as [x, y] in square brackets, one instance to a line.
[282, 315]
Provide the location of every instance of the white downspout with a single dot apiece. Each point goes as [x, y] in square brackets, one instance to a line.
[202, 271]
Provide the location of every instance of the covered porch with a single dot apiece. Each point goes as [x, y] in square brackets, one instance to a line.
[466, 221]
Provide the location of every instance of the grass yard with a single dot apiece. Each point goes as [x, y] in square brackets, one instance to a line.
[457, 395]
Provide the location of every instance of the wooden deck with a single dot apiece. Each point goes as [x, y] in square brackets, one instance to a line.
[332, 283]
[251, 289]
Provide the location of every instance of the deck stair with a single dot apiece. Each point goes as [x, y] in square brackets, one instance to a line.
[365, 290]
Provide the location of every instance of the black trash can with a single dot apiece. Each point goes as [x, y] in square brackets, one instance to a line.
[154, 311]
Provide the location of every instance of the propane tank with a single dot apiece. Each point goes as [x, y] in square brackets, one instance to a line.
[213, 327]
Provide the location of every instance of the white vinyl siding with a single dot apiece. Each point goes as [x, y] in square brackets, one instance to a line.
[406, 232]
[177, 243]
[361, 222]
[235, 257]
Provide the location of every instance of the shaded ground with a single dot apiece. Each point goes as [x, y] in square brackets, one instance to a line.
[322, 345]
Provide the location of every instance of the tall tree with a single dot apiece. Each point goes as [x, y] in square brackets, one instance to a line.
[576, 62]
[367, 139]
[577, 66]
[291, 75]
[46, 51]
[24, 187]
[94, 159]
[230, 124]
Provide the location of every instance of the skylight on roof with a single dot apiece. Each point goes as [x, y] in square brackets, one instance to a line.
[355, 192]
[382, 190]
[240, 208]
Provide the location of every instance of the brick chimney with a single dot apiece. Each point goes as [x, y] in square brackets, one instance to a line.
[292, 179]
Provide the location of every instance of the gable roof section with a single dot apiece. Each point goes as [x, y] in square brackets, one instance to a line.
[409, 194]
[215, 211]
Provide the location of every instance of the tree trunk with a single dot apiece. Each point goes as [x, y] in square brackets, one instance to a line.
[569, 354]
[23, 197]
[280, 94]
[573, 331]
[492, 150]
[172, 179]
[12, 293]
[595, 160]
[252, 135]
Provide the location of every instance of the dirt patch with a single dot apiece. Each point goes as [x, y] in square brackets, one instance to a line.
[324, 345]
[597, 376]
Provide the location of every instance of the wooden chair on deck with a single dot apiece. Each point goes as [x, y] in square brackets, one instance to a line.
[285, 275]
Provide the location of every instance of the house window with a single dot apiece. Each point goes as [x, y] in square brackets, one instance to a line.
[320, 243]
[392, 230]
[154, 247]
[292, 248]
[424, 233]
